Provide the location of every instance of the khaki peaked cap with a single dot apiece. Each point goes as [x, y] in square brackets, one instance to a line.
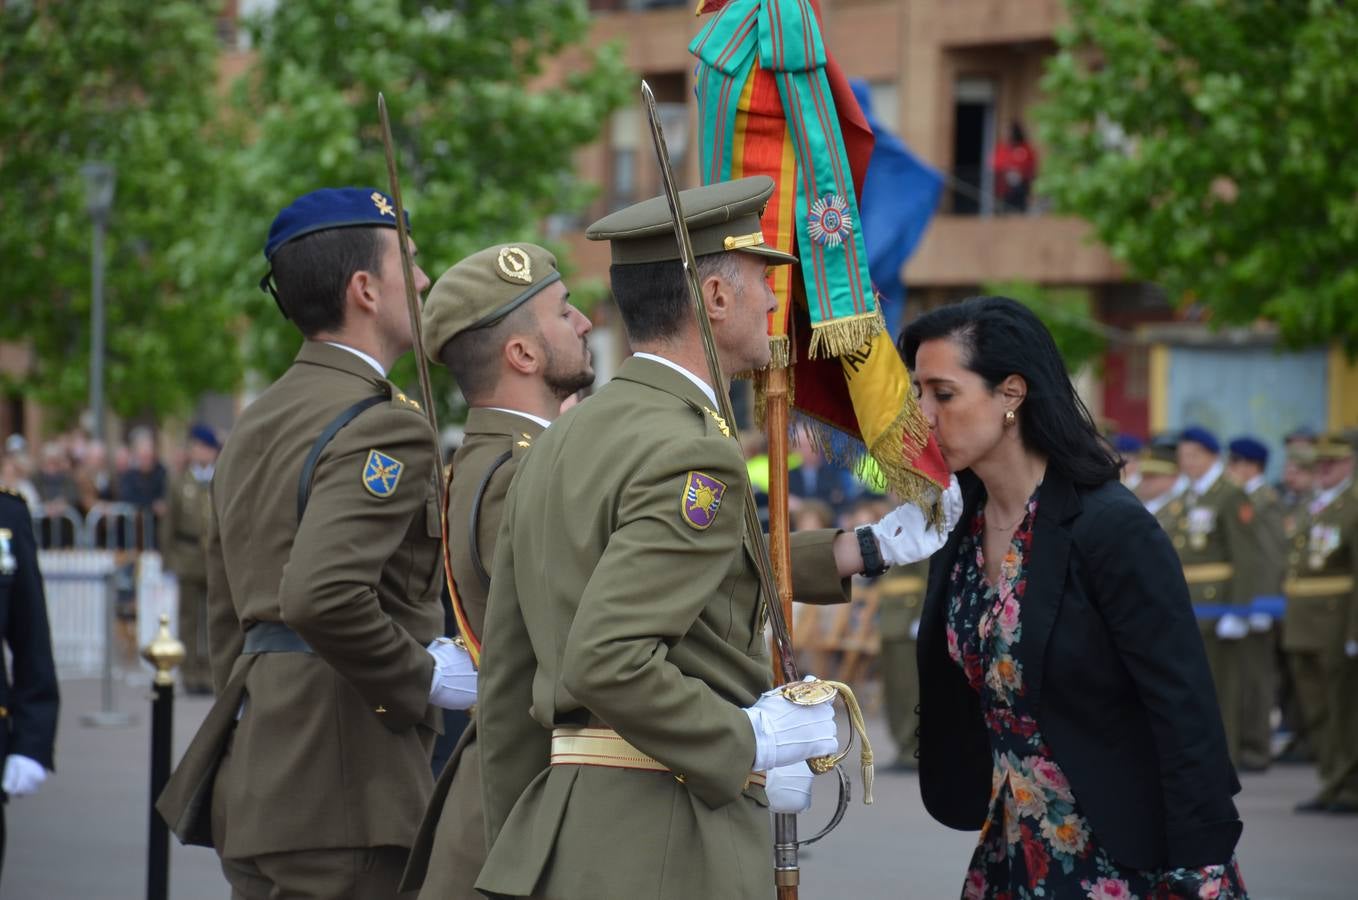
[482, 289]
[1159, 459]
[1337, 445]
[721, 217]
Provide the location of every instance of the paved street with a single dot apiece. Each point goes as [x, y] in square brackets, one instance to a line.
[84, 835]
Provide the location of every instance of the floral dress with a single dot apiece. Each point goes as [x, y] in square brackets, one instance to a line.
[1035, 841]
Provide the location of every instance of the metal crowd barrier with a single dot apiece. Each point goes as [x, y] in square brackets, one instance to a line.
[81, 596]
[108, 526]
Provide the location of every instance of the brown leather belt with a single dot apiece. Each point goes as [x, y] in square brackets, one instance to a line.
[605, 748]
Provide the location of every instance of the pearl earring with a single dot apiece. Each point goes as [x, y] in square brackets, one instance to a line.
[1009, 417]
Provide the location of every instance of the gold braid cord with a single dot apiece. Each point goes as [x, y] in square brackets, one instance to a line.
[814, 693]
[837, 337]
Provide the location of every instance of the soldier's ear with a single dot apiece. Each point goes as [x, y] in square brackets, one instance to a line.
[523, 355]
[718, 296]
[362, 291]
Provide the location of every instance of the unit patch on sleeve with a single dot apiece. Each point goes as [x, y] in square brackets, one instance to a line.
[381, 473]
[702, 499]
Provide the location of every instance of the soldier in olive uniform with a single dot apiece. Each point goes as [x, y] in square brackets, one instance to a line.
[624, 728]
[502, 322]
[312, 768]
[1210, 528]
[1320, 628]
[1248, 459]
[188, 509]
[1157, 483]
[900, 601]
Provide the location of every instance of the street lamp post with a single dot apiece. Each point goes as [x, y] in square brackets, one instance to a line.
[99, 180]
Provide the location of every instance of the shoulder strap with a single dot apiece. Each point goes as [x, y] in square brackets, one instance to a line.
[309, 467]
[476, 516]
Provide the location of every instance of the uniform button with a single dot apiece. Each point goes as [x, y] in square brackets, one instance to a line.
[1210, 593]
[380, 709]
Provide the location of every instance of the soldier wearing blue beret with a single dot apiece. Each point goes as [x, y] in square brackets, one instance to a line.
[188, 507]
[311, 771]
[1248, 458]
[1211, 527]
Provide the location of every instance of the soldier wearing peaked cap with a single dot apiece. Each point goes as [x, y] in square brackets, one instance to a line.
[625, 735]
[1267, 567]
[502, 322]
[1210, 528]
[1320, 627]
[309, 773]
[1159, 483]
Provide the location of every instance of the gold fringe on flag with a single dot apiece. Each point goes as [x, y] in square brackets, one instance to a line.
[844, 335]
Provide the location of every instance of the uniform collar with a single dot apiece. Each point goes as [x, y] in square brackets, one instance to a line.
[361, 355]
[703, 386]
[340, 357]
[1209, 478]
[496, 420]
[515, 412]
[1255, 483]
[1325, 498]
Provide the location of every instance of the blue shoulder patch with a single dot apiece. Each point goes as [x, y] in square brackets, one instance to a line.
[381, 473]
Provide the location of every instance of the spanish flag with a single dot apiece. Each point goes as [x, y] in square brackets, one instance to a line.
[772, 101]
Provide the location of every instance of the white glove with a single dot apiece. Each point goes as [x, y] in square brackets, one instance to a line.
[23, 776]
[1260, 622]
[1231, 627]
[789, 788]
[914, 630]
[785, 733]
[905, 537]
[454, 684]
[1351, 649]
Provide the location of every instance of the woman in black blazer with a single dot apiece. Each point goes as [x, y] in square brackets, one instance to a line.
[1066, 706]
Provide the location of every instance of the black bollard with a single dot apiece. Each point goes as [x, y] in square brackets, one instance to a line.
[164, 652]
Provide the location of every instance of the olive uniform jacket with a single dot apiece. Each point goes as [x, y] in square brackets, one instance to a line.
[188, 509]
[1268, 567]
[1117, 670]
[1322, 584]
[624, 595]
[1216, 547]
[484, 466]
[29, 697]
[332, 747]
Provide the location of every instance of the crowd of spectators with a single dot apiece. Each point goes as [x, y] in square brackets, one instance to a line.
[67, 478]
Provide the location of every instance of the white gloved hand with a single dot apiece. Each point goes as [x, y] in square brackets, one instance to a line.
[23, 776]
[914, 630]
[789, 788]
[454, 684]
[905, 537]
[1351, 649]
[785, 733]
[1260, 622]
[1231, 627]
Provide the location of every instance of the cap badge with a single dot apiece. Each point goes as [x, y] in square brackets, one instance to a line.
[383, 205]
[828, 223]
[702, 499]
[514, 265]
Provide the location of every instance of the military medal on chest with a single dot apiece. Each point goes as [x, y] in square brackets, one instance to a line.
[1201, 521]
[1324, 541]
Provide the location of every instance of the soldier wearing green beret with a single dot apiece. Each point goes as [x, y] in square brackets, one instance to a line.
[502, 322]
[1320, 626]
[626, 724]
[309, 774]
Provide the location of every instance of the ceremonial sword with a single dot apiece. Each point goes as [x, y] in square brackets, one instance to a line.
[787, 875]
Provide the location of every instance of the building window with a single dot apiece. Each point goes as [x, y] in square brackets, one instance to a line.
[624, 136]
[973, 183]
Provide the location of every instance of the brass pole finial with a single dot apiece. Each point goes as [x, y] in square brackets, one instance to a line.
[164, 652]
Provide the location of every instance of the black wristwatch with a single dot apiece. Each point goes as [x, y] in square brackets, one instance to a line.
[873, 564]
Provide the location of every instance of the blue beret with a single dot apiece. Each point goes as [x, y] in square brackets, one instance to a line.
[331, 208]
[204, 435]
[1249, 449]
[1199, 435]
[1127, 443]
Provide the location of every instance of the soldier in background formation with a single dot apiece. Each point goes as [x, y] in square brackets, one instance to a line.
[188, 509]
[1320, 631]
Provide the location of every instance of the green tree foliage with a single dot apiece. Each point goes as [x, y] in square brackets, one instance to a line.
[489, 101]
[1068, 315]
[1212, 144]
[131, 83]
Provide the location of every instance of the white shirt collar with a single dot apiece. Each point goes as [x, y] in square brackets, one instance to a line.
[1155, 504]
[1204, 484]
[201, 473]
[1325, 498]
[361, 355]
[1255, 483]
[703, 385]
[518, 412]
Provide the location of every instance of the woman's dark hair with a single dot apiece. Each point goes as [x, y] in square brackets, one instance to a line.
[1002, 337]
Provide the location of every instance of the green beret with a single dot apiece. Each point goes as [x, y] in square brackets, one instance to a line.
[721, 217]
[482, 289]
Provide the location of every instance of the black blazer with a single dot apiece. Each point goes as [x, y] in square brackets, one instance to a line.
[28, 723]
[1116, 668]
